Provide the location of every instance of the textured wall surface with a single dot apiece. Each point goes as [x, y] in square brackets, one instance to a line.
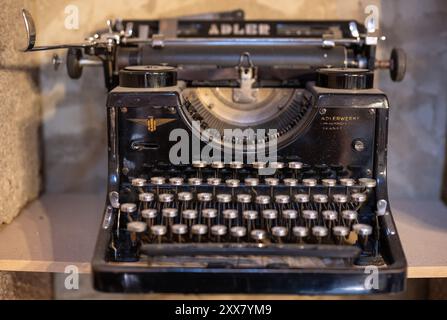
[25, 286]
[20, 116]
[418, 104]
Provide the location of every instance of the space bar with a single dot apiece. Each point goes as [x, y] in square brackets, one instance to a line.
[228, 249]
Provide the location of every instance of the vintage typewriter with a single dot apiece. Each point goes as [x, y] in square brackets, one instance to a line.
[293, 200]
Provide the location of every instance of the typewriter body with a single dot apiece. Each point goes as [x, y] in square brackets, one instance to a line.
[244, 157]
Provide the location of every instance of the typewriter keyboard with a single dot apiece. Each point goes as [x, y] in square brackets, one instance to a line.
[218, 203]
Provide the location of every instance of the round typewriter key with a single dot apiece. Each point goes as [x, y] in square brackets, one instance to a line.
[236, 165]
[158, 180]
[185, 196]
[189, 216]
[198, 231]
[128, 207]
[232, 183]
[195, 181]
[158, 231]
[169, 213]
[146, 197]
[258, 235]
[134, 228]
[340, 233]
[367, 182]
[223, 198]
[229, 215]
[277, 165]
[295, 165]
[358, 197]
[238, 233]
[329, 182]
[271, 181]
[310, 217]
[363, 231]
[320, 198]
[252, 182]
[208, 215]
[214, 181]
[319, 232]
[199, 164]
[166, 198]
[349, 217]
[179, 230]
[300, 233]
[290, 214]
[347, 182]
[263, 199]
[269, 216]
[175, 181]
[340, 198]
[138, 182]
[282, 199]
[250, 217]
[258, 165]
[302, 198]
[290, 182]
[310, 182]
[243, 198]
[218, 231]
[279, 233]
[149, 215]
[329, 217]
[217, 165]
[205, 197]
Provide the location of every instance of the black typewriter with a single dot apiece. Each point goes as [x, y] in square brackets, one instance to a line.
[244, 157]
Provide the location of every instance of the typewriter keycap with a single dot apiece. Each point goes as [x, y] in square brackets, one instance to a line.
[166, 198]
[252, 182]
[263, 199]
[310, 217]
[310, 182]
[302, 198]
[209, 213]
[269, 216]
[138, 182]
[349, 217]
[214, 181]
[232, 183]
[259, 165]
[128, 207]
[367, 182]
[300, 233]
[149, 213]
[205, 196]
[223, 198]
[320, 232]
[135, 227]
[238, 232]
[282, 199]
[158, 231]
[279, 233]
[258, 235]
[146, 197]
[340, 233]
[358, 197]
[320, 198]
[250, 214]
[295, 165]
[218, 231]
[179, 230]
[185, 196]
[347, 182]
[198, 231]
[195, 181]
[243, 198]
[361, 229]
[236, 165]
[176, 181]
[271, 181]
[217, 165]
[199, 164]
[158, 180]
[329, 182]
[290, 182]
[340, 198]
